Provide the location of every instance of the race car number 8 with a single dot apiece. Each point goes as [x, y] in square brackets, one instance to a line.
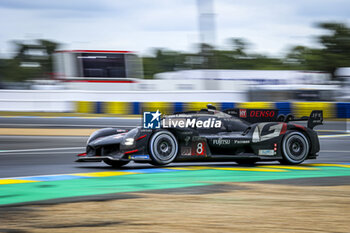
[199, 148]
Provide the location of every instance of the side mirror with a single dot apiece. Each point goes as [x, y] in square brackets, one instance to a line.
[211, 107]
[289, 118]
[281, 118]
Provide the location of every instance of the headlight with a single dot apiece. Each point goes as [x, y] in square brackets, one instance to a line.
[129, 141]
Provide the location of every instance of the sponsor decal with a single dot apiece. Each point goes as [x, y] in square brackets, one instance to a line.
[243, 113]
[241, 141]
[221, 141]
[254, 115]
[233, 112]
[187, 133]
[267, 152]
[187, 140]
[151, 120]
[266, 131]
[316, 114]
[186, 151]
[262, 113]
[199, 148]
[139, 157]
[143, 130]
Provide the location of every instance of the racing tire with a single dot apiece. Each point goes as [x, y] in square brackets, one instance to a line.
[115, 163]
[163, 147]
[295, 148]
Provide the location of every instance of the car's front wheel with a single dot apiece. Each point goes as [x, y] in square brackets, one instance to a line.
[163, 147]
[295, 148]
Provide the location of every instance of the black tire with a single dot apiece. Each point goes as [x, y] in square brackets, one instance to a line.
[163, 147]
[295, 148]
[115, 163]
[246, 162]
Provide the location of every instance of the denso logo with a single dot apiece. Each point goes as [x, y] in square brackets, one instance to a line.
[261, 113]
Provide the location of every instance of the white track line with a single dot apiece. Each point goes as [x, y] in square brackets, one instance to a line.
[335, 151]
[335, 140]
[42, 149]
[334, 136]
[41, 153]
[332, 130]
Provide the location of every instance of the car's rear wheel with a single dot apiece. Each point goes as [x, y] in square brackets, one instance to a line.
[115, 163]
[295, 148]
[163, 147]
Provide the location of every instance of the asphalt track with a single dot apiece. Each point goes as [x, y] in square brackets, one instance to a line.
[42, 155]
[23, 157]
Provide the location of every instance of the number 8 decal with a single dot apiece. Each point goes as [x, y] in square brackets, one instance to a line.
[199, 148]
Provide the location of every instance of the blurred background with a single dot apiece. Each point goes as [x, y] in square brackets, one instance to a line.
[71, 67]
[116, 57]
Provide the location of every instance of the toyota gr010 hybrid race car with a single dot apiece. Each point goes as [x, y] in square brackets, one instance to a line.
[226, 138]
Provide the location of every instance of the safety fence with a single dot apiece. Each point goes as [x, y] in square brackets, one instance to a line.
[298, 109]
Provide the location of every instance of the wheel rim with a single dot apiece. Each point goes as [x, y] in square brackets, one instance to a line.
[164, 147]
[296, 147]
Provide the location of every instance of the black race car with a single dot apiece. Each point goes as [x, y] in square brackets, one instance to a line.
[228, 136]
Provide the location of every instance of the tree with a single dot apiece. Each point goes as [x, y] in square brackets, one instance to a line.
[49, 47]
[162, 61]
[304, 58]
[336, 43]
[335, 51]
[27, 64]
[239, 46]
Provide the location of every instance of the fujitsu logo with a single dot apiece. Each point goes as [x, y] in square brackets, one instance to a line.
[221, 141]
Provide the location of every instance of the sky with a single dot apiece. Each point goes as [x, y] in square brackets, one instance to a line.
[270, 26]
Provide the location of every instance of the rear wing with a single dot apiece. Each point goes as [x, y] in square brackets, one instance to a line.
[315, 118]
